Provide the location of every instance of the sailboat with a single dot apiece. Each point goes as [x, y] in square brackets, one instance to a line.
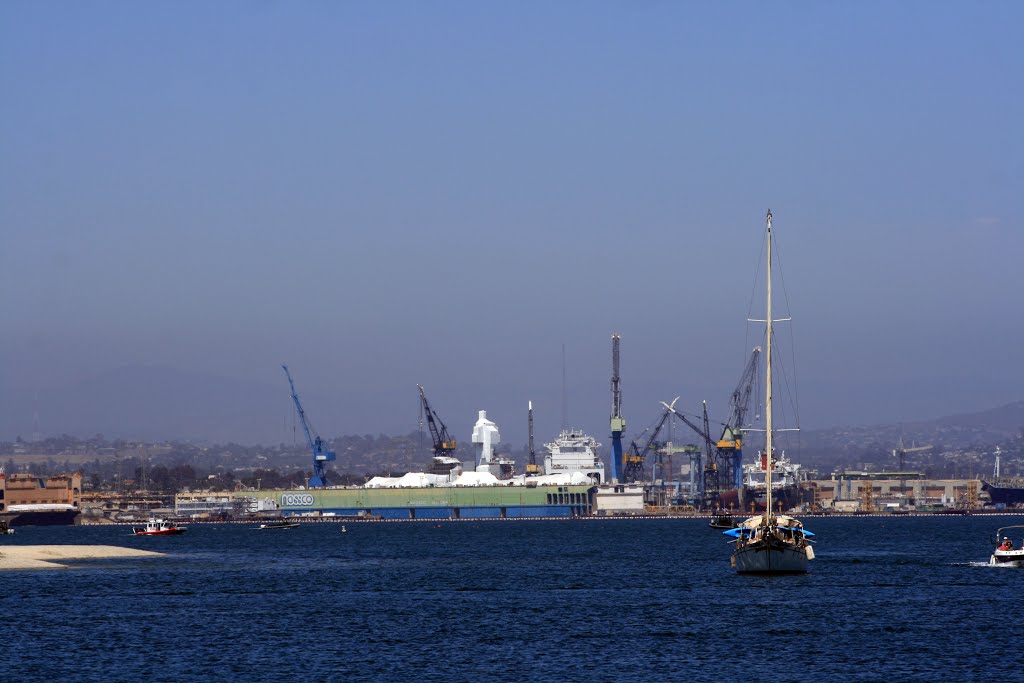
[770, 543]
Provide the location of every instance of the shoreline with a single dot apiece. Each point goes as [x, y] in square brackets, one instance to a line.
[50, 556]
[589, 518]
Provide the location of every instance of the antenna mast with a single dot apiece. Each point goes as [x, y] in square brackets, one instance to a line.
[565, 396]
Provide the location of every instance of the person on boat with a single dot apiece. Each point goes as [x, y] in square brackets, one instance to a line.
[1007, 544]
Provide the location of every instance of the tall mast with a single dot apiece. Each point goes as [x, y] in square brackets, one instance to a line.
[768, 380]
[565, 395]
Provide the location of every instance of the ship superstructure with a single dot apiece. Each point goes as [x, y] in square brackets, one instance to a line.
[787, 481]
[574, 451]
[485, 438]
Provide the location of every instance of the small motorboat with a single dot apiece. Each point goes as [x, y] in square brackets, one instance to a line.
[343, 529]
[723, 522]
[1006, 553]
[159, 527]
[283, 524]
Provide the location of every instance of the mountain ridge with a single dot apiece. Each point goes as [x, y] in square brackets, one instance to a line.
[157, 403]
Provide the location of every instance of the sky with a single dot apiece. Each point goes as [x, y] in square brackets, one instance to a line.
[447, 193]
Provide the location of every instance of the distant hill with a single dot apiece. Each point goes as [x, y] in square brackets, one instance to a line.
[1007, 420]
[874, 443]
[153, 403]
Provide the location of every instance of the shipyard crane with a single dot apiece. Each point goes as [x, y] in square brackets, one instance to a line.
[901, 453]
[444, 444]
[729, 446]
[710, 483]
[316, 444]
[531, 467]
[634, 460]
[618, 423]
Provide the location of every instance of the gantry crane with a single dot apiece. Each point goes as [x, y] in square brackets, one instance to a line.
[444, 444]
[618, 423]
[316, 444]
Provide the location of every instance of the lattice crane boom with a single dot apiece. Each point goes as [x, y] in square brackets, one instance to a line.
[739, 403]
[635, 458]
[443, 443]
[316, 444]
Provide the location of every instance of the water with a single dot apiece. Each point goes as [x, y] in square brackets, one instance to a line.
[902, 599]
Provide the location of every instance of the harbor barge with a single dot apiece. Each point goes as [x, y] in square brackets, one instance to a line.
[434, 502]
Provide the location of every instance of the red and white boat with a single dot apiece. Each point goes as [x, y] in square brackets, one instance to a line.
[159, 527]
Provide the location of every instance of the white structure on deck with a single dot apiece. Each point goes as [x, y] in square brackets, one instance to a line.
[410, 480]
[618, 499]
[485, 438]
[572, 461]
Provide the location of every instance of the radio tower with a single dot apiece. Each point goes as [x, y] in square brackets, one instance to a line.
[36, 436]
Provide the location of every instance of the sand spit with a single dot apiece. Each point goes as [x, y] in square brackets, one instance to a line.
[49, 556]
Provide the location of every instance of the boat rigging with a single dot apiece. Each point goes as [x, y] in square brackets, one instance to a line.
[770, 543]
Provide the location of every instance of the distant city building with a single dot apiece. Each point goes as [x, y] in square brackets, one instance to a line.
[219, 504]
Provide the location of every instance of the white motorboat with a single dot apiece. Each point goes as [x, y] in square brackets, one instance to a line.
[770, 543]
[1006, 554]
[282, 524]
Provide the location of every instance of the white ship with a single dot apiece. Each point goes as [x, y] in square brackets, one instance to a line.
[785, 473]
[572, 461]
[574, 451]
[788, 482]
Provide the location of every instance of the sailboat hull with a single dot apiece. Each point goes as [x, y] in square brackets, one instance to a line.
[770, 558]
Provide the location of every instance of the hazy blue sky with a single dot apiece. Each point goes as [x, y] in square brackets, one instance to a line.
[391, 193]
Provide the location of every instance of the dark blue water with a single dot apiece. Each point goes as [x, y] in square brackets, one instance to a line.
[887, 599]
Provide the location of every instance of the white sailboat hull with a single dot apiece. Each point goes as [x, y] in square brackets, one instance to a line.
[775, 558]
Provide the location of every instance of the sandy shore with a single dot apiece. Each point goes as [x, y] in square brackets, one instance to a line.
[49, 556]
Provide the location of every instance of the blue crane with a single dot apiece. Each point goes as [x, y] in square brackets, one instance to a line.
[618, 423]
[316, 444]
